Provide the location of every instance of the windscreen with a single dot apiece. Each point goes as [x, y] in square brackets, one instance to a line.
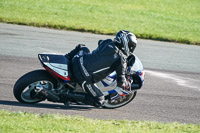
[137, 66]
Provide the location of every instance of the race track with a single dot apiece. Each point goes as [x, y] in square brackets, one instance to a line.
[172, 80]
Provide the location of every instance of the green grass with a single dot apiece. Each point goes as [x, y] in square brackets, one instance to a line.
[168, 20]
[21, 122]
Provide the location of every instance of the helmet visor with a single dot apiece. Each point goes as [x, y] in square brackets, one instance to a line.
[131, 48]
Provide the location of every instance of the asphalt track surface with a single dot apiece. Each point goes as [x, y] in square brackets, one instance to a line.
[171, 92]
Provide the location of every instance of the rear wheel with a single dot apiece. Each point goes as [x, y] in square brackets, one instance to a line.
[24, 88]
[120, 101]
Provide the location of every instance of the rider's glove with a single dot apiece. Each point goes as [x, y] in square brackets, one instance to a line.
[126, 85]
[80, 45]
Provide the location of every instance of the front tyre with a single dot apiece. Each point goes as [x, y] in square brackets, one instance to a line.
[24, 88]
[121, 101]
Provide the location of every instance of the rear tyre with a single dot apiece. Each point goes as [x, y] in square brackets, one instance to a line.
[24, 88]
[121, 101]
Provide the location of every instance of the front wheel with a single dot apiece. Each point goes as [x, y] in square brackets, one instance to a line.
[24, 88]
[121, 101]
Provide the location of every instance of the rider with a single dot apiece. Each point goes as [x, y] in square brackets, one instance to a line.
[110, 55]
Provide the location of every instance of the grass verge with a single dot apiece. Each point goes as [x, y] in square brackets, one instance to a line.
[28, 122]
[167, 20]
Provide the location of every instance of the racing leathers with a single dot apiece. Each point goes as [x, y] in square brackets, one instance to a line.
[90, 68]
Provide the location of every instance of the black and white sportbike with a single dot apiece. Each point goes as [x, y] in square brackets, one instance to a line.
[55, 84]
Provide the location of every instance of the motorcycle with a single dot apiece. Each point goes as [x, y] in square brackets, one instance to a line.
[56, 84]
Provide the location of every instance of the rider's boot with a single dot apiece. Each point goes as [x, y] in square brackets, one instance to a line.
[95, 93]
[97, 102]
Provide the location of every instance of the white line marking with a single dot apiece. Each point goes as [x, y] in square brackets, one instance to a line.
[182, 81]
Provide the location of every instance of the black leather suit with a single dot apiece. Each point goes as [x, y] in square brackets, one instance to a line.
[90, 68]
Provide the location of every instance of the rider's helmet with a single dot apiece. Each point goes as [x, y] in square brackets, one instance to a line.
[125, 41]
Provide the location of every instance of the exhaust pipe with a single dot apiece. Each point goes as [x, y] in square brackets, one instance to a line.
[75, 96]
[47, 94]
[80, 97]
